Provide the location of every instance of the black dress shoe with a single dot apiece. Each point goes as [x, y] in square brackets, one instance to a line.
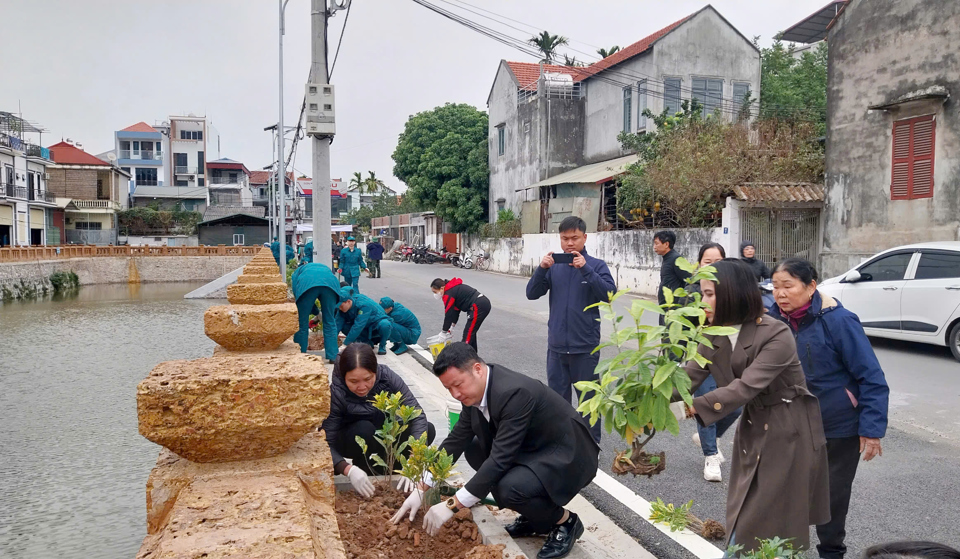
[522, 527]
[562, 538]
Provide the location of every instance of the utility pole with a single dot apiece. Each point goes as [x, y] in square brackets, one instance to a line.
[320, 127]
[281, 171]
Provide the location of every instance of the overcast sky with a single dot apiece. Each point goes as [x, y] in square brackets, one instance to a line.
[86, 68]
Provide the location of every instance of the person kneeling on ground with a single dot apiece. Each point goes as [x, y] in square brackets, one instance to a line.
[313, 282]
[362, 320]
[406, 327]
[531, 449]
[357, 379]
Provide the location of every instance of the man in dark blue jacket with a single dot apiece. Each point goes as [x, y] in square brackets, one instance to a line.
[572, 332]
[374, 256]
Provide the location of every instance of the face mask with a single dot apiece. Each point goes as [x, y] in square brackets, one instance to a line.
[437, 296]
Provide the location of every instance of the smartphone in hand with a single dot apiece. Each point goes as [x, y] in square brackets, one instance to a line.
[563, 258]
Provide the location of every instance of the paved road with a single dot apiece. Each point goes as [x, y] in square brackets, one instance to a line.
[912, 492]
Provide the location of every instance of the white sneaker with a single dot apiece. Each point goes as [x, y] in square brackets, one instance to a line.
[696, 434]
[711, 468]
[719, 453]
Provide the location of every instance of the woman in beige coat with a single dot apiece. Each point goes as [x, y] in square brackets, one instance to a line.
[779, 478]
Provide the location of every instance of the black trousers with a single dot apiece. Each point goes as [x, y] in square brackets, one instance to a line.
[475, 317]
[564, 369]
[374, 266]
[843, 457]
[347, 443]
[520, 490]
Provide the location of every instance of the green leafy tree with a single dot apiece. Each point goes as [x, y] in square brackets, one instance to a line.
[547, 45]
[608, 52]
[426, 459]
[792, 88]
[442, 157]
[636, 386]
[373, 184]
[397, 417]
[357, 182]
[572, 61]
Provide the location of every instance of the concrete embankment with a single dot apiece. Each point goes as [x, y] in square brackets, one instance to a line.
[14, 276]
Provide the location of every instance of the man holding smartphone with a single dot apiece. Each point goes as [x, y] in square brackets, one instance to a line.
[575, 280]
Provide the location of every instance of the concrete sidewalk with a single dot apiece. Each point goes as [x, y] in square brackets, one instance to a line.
[602, 538]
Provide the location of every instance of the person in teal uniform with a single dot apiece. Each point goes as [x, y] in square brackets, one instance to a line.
[351, 262]
[362, 320]
[275, 249]
[312, 282]
[308, 252]
[406, 327]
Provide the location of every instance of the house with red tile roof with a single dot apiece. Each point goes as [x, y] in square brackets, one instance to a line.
[553, 132]
[90, 191]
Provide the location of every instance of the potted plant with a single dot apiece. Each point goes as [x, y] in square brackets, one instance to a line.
[636, 386]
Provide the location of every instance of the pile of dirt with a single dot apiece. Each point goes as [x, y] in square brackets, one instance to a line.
[315, 342]
[367, 533]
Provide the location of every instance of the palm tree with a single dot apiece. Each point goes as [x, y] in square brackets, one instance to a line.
[547, 45]
[374, 184]
[356, 182]
[605, 53]
[571, 61]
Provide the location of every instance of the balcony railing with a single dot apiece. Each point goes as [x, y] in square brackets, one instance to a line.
[141, 155]
[224, 180]
[96, 205]
[37, 151]
[11, 191]
[146, 182]
[184, 170]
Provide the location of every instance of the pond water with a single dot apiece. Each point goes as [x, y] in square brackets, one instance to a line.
[73, 468]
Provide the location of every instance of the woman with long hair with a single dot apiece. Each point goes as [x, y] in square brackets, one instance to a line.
[778, 477]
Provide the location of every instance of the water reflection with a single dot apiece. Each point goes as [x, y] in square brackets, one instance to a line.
[73, 467]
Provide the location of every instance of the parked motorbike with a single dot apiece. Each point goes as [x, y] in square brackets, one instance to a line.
[420, 255]
[405, 254]
[467, 261]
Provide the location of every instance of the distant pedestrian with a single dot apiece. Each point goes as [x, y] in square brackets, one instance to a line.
[706, 435]
[308, 252]
[375, 254]
[779, 482]
[351, 262]
[748, 253]
[671, 276]
[572, 332]
[275, 249]
[843, 372]
[459, 297]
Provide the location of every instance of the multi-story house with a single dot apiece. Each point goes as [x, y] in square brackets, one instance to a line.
[193, 141]
[90, 190]
[140, 152]
[553, 147]
[892, 164]
[229, 183]
[27, 209]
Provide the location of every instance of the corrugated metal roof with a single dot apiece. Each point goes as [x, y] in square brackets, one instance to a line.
[219, 212]
[593, 173]
[779, 192]
[814, 28]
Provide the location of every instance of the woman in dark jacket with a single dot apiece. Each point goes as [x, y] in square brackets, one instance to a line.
[778, 476]
[357, 379]
[459, 297]
[843, 373]
[748, 252]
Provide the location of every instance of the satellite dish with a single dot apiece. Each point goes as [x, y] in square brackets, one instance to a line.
[111, 156]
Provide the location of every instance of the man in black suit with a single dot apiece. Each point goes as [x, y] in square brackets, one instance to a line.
[531, 449]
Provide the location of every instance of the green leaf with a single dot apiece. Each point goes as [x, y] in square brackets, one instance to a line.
[667, 294]
[719, 331]
[682, 263]
[360, 441]
[640, 306]
[375, 458]
[663, 372]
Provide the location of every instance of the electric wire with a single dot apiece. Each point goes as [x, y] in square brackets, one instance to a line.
[343, 30]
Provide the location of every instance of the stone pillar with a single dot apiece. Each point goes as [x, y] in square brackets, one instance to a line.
[244, 472]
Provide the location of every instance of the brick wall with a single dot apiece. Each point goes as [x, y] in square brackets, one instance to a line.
[80, 184]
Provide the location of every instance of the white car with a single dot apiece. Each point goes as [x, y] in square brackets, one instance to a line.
[907, 293]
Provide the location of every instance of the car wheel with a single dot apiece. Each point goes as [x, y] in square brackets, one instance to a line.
[953, 340]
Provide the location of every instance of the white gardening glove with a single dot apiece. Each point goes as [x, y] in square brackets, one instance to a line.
[360, 482]
[405, 485]
[447, 335]
[679, 410]
[436, 517]
[410, 506]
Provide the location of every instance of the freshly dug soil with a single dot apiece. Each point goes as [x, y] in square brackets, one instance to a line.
[315, 342]
[713, 530]
[367, 533]
[639, 464]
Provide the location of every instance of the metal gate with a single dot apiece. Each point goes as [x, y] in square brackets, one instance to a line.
[782, 233]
